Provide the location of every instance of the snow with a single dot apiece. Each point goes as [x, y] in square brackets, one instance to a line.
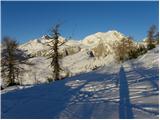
[109, 37]
[36, 45]
[75, 63]
[125, 107]
[110, 91]
[59, 99]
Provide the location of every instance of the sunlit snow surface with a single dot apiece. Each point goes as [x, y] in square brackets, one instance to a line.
[96, 94]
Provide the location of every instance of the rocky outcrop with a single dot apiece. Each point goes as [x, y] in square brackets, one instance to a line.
[100, 50]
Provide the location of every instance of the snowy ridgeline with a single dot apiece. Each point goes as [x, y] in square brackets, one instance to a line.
[112, 91]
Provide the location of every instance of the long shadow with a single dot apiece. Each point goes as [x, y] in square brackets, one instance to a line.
[151, 74]
[39, 102]
[125, 107]
[140, 107]
[45, 101]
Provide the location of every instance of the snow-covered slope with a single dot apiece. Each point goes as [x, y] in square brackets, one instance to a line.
[72, 65]
[129, 91]
[76, 57]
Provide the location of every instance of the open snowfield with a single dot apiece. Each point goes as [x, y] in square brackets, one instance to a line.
[130, 90]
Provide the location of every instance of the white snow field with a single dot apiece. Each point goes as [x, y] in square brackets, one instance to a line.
[130, 90]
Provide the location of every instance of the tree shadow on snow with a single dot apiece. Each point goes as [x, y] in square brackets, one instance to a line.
[148, 74]
[48, 100]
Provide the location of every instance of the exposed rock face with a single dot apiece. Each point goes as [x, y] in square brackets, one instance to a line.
[100, 50]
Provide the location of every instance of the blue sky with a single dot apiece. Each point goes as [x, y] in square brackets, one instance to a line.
[28, 20]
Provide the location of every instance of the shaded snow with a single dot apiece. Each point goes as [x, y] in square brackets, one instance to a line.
[94, 94]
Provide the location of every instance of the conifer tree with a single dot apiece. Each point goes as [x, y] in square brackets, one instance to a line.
[11, 59]
[150, 37]
[54, 54]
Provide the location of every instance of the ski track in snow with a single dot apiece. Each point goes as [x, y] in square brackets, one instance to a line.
[129, 91]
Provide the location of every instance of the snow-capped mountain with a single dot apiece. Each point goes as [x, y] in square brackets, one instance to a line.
[39, 47]
[108, 37]
[102, 43]
[94, 51]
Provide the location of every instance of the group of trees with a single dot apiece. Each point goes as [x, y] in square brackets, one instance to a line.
[12, 58]
[126, 49]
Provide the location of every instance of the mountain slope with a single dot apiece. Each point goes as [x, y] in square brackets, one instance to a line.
[94, 51]
[78, 56]
[109, 37]
[95, 94]
[40, 45]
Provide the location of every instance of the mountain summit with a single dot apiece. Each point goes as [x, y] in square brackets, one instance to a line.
[108, 37]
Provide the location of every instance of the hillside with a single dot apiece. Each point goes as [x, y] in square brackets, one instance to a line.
[94, 51]
[130, 90]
